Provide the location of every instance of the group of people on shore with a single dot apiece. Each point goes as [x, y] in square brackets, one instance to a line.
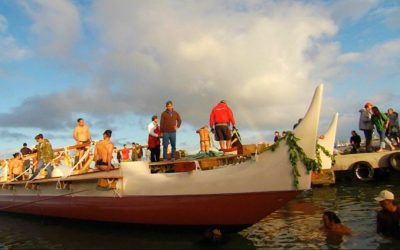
[386, 125]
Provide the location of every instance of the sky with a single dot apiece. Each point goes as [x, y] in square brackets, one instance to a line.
[116, 63]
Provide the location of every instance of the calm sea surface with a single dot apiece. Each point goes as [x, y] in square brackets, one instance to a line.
[296, 226]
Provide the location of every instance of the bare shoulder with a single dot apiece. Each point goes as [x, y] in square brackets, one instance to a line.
[109, 145]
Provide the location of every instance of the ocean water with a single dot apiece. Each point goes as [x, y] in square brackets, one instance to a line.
[295, 226]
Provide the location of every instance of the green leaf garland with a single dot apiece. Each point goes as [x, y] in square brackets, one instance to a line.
[296, 153]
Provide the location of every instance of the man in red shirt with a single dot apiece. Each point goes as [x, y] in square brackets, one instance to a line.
[221, 118]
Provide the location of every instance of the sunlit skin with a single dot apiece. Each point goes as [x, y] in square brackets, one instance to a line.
[332, 227]
[15, 166]
[103, 152]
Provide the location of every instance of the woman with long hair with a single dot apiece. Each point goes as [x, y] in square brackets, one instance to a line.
[381, 122]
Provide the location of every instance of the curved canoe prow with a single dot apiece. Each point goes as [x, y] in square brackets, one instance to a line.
[308, 127]
[328, 141]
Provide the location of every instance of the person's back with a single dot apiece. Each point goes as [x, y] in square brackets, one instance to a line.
[45, 151]
[221, 113]
[388, 222]
[25, 150]
[104, 152]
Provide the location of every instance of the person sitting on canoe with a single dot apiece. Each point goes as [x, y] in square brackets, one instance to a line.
[16, 167]
[104, 152]
[44, 156]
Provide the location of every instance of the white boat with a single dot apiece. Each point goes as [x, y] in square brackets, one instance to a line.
[241, 192]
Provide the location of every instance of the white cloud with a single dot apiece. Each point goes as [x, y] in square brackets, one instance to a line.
[10, 50]
[265, 58]
[3, 24]
[390, 16]
[351, 9]
[255, 56]
[56, 25]
[379, 60]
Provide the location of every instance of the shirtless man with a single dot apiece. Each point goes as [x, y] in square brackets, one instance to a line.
[81, 132]
[104, 152]
[16, 167]
[81, 135]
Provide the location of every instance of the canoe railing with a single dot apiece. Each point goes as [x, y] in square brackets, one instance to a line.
[78, 165]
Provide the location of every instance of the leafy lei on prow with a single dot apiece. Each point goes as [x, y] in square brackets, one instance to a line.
[296, 153]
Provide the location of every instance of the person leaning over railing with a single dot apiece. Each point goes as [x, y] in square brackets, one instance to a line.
[44, 156]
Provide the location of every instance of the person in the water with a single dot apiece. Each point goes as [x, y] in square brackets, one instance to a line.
[332, 224]
[387, 219]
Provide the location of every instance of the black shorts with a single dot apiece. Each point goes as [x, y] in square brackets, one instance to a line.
[222, 133]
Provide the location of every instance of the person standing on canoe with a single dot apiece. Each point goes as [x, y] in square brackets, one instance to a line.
[81, 132]
[153, 142]
[365, 124]
[44, 156]
[81, 135]
[26, 151]
[220, 119]
[169, 123]
[103, 153]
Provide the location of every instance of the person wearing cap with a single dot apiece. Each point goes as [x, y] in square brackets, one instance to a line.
[44, 156]
[220, 119]
[388, 218]
[365, 124]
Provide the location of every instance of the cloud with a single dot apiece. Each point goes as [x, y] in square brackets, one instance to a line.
[379, 60]
[13, 135]
[56, 25]
[10, 50]
[343, 10]
[254, 55]
[3, 24]
[265, 58]
[390, 16]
